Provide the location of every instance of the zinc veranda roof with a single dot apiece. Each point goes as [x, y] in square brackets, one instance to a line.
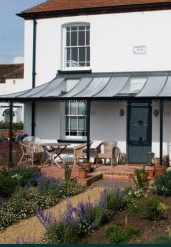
[99, 86]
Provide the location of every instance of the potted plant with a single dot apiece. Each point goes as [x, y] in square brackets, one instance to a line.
[82, 173]
[142, 173]
[158, 168]
[85, 164]
[150, 172]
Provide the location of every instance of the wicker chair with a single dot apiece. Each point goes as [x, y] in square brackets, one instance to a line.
[31, 152]
[107, 152]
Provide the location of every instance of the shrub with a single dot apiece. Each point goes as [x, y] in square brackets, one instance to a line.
[162, 184]
[150, 207]
[116, 200]
[24, 176]
[58, 188]
[15, 126]
[115, 235]
[161, 240]
[7, 185]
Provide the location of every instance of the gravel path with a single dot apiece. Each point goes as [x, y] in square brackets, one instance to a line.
[31, 228]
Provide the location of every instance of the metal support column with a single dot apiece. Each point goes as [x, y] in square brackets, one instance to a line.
[34, 75]
[161, 131]
[88, 130]
[10, 134]
[33, 119]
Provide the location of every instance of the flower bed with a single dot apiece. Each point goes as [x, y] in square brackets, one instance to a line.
[27, 190]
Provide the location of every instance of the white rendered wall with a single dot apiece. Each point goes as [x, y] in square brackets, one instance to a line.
[47, 120]
[2, 88]
[106, 123]
[27, 118]
[113, 37]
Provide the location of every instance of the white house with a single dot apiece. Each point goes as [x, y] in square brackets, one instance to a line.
[11, 81]
[100, 70]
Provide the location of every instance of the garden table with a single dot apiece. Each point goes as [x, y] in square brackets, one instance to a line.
[54, 151]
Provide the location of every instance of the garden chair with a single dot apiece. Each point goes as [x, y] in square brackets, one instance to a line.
[80, 152]
[107, 151]
[31, 153]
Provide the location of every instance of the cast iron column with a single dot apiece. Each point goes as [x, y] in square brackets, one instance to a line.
[161, 131]
[10, 134]
[33, 76]
[88, 130]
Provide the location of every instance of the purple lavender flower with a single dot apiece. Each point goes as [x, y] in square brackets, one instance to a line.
[46, 219]
[68, 217]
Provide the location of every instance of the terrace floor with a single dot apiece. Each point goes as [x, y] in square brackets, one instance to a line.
[119, 172]
[105, 172]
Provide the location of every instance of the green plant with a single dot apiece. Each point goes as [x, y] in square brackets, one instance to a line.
[7, 185]
[149, 207]
[15, 126]
[115, 235]
[67, 172]
[163, 239]
[24, 176]
[162, 184]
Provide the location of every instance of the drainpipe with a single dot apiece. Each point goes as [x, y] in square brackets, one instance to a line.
[88, 130]
[10, 134]
[161, 131]
[33, 76]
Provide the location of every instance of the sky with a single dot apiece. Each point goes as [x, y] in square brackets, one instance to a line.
[12, 29]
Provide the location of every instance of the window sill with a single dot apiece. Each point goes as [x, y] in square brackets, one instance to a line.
[61, 72]
[72, 141]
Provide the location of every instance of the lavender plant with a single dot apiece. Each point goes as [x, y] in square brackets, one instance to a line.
[77, 222]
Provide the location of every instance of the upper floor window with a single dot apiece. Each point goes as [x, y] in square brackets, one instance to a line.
[77, 46]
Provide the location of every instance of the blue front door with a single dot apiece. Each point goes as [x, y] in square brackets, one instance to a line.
[139, 132]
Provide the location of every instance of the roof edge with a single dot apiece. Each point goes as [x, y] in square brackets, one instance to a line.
[96, 10]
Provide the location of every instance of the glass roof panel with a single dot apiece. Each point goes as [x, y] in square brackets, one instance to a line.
[133, 86]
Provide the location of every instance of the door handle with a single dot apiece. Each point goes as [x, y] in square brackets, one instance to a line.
[140, 138]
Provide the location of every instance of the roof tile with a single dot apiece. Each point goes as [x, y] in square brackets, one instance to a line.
[11, 71]
[59, 5]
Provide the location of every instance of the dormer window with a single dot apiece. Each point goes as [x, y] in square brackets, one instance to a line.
[77, 46]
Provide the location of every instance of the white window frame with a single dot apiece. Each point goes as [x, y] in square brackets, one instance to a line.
[63, 123]
[64, 47]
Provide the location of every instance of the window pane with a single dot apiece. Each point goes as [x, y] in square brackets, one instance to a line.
[73, 38]
[67, 108]
[81, 108]
[68, 39]
[81, 38]
[81, 28]
[87, 37]
[73, 28]
[88, 54]
[73, 108]
[82, 54]
[67, 123]
[81, 123]
[68, 54]
[74, 56]
[73, 123]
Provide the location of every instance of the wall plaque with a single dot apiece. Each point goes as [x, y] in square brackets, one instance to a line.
[139, 50]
